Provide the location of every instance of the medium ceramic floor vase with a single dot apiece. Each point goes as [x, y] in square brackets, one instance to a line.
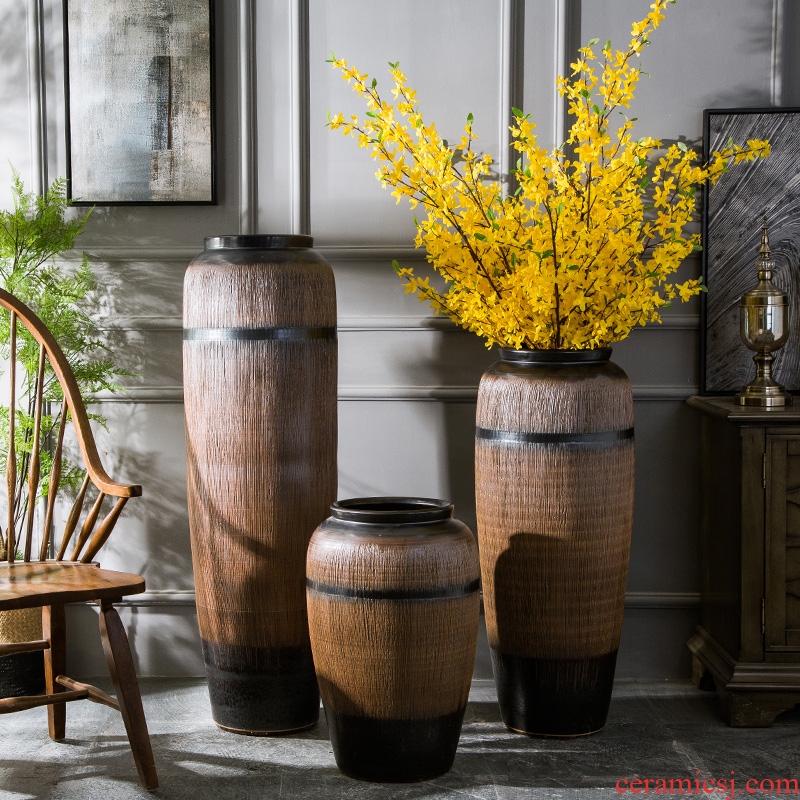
[393, 606]
[554, 464]
[260, 373]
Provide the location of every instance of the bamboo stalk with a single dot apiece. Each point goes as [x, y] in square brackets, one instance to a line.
[52, 489]
[11, 462]
[35, 461]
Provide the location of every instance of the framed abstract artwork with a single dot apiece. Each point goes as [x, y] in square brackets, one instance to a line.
[140, 87]
[732, 218]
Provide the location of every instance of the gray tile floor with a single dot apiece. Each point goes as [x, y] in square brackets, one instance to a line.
[654, 730]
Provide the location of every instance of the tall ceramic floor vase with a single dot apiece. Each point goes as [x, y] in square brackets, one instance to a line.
[554, 467]
[393, 609]
[260, 396]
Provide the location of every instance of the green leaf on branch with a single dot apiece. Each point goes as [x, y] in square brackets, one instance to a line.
[34, 232]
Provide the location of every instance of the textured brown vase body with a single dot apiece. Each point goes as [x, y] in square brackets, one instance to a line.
[260, 363]
[393, 610]
[554, 464]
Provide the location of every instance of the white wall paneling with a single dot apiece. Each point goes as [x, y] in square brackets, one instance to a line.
[408, 380]
[248, 119]
[16, 94]
[451, 54]
[38, 95]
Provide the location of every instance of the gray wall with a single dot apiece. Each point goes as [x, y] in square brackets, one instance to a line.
[407, 381]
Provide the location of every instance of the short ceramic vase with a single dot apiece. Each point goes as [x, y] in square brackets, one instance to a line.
[393, 606]
[554, 473]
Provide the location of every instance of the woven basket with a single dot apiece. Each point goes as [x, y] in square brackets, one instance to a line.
[21, 673]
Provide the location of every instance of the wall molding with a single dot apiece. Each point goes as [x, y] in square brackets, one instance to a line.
[169, 395]
[662, 600]
[37, 93]
[512, 76]
[185, 598]
[386, 393]
[299, 120]
[387, 323]
[160, 598]
[469, 394]
[778, 56]
[248, 119]
[333, 253]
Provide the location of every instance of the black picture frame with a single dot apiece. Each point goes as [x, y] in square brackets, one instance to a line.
[140, 109]
[733, 211]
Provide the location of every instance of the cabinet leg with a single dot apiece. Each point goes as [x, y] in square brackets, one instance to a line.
[701, 677]
[755, 709]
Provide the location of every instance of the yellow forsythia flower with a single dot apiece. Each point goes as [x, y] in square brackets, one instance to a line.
[579, 253]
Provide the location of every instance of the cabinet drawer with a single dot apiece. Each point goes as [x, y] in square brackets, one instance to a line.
[782, 545]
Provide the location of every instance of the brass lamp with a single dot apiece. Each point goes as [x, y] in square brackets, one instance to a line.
[764, 327]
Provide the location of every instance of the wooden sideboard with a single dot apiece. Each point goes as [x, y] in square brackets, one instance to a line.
[748, 640]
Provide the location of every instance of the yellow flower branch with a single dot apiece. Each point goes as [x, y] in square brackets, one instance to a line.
[582, 250]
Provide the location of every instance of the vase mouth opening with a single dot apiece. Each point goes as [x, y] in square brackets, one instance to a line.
[392, 510]
[532, 356]
[260, 241]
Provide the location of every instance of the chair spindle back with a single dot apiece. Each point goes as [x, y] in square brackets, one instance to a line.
[24, 464]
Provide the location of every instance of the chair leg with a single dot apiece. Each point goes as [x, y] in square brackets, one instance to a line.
[54, 630]
[120, 665]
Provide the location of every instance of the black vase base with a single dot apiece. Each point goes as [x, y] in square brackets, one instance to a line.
[260, 691]
[563, 698]
[244, 732]
[394, 750]
[537, 735]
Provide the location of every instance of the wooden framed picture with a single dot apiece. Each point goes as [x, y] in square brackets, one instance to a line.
[140, 88]
[732, 219]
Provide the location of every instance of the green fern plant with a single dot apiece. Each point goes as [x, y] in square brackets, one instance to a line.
[33, 233]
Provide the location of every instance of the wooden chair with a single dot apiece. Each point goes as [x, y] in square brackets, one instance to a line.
[72, 576]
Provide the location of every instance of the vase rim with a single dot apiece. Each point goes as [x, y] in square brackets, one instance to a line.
[555, 356]
[260, 241]
[392, 510]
